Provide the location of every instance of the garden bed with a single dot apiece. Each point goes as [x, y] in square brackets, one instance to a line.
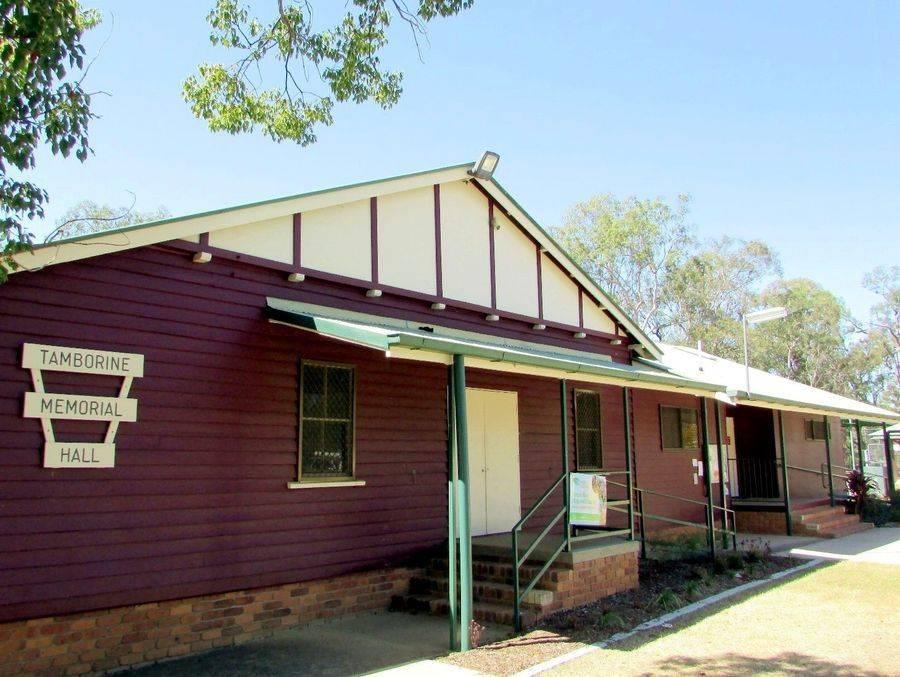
[665, 585]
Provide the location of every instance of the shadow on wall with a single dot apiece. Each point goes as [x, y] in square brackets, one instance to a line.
[787, 663]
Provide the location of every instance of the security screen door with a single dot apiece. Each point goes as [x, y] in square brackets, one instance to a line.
[494, 496]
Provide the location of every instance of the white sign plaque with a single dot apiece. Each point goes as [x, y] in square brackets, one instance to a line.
[79, 455]
[587, 499]
[49, 406]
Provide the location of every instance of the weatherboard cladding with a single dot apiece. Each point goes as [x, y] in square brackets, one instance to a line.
[197, 502]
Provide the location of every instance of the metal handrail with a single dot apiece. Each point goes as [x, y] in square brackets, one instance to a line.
[709, 527]
[519, 596]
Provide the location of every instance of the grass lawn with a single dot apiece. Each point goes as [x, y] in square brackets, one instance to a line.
[837, 619]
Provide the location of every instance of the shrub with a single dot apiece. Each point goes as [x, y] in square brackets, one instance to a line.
[756, 550]
[667, 600]
[877, 511]
[861, 490]
[734, 561]
[692, 589]
[610, 619]
[719, 566]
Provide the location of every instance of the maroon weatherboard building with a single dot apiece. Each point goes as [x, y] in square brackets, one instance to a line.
[225, 424]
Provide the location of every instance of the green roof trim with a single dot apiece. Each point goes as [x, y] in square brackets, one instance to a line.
[368, 337]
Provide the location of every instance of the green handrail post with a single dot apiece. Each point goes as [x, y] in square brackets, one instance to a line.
[788, 520]
[517, 613]
[720, 453]
[640, 494]
[462, 501]
[452, 484]
[888, 463]
[828, 460]
[626, 406]
[564, 433]
[707, 475]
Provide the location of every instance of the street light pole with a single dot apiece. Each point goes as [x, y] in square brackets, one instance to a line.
[757, 317]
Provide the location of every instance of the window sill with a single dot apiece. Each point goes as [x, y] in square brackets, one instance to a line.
[326, 485]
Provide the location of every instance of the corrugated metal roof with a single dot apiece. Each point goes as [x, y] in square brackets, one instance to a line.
[765, 388]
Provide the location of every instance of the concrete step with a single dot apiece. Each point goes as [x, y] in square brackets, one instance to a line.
[485, 612]
[491, 593]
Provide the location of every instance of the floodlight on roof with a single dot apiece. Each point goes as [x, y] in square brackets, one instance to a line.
[484, 168]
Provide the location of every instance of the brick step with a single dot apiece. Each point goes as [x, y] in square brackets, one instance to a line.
[835, 522]
[817, 513]
[491, 593]
[502, 572]
[500, 614]
[847, 530]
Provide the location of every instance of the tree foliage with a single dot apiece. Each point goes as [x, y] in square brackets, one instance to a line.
[288, 52]
[681, 290]
[41, 101]
[89, 217]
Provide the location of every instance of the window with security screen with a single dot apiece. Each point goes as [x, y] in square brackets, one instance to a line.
[815, 430]
[326, 421]
[680, 429]
[588, 447]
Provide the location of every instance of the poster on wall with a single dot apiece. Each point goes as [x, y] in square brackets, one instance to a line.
[48, 406]
[587, 499]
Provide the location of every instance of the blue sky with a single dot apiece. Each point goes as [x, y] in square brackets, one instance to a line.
[781, 120]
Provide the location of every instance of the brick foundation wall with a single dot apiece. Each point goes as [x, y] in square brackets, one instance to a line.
[595, 579]
[760, 522]
[99, 641]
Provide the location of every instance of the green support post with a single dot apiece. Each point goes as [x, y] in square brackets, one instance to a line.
[828, 460]
[720, 454]
[629, 466]
[707, 476]
[788, 520]
[462, 501]
[859, 449]
[452, 485]
[564, 435]
[889, 482]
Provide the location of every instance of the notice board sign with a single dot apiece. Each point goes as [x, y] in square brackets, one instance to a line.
[587, 499]
[49, 406]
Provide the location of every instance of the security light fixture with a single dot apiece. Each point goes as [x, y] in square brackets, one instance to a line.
[766, 315]
[758, 317]
[484, 168]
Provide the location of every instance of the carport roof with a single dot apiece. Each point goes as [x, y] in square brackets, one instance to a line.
[414, 340]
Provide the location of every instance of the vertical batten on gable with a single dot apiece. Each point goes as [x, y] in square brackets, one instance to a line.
[338, 239]
[406, 240]
[464, 244]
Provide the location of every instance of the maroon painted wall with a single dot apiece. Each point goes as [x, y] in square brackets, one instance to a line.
[198, 502]
[669, 472]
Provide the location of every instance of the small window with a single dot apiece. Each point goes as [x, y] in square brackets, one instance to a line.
[326, 421]
[679, 428]
[588, 446]
[815, 430]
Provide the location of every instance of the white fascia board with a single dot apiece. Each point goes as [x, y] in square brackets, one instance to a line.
[152, 233]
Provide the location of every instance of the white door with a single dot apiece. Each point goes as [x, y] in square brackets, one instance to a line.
[495, 503]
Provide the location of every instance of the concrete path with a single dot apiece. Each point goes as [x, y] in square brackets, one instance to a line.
[881, 546]
[397, 642]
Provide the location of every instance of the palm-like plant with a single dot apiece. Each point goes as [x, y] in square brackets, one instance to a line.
[860, 488]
